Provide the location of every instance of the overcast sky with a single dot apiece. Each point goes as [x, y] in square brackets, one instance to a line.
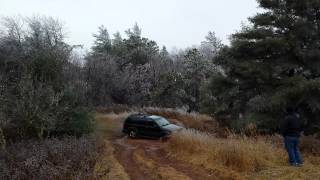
[174, 23]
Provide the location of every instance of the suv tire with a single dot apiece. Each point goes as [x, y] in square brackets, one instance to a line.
[133, 133]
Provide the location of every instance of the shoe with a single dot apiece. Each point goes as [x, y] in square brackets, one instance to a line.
[293, 164]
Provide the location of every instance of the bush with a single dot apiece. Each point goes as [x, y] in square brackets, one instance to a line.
[66, 158]
[73, 118]
[37, 111]
[77, 121]
[38, 98]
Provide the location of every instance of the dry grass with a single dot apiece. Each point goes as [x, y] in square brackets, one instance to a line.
[238, 157]
[110, 125]
[234, 153]
[310, 145]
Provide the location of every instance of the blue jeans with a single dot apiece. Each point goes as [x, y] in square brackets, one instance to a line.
[292, 146]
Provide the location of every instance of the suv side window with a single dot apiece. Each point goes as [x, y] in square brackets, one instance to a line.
[151, 123]
[148, 123]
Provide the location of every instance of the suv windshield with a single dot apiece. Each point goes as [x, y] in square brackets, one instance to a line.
[161, 121]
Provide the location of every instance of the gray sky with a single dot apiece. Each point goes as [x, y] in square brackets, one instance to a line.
[174, 23]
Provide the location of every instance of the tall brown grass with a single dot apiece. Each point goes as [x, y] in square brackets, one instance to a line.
[110, 125]
[310, 145]
[241, 154]
[237, 157]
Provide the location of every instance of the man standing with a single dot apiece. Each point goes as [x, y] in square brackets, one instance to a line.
[291, 128]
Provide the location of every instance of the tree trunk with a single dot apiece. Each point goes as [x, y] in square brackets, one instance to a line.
[40, 132]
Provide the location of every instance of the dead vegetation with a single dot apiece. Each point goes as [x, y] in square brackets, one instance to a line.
[233, 154]
[109, 125]
[239, 157]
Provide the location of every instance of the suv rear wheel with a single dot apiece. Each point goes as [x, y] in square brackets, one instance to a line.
[133, 133]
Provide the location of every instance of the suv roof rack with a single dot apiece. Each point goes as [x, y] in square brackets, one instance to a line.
[139, 114]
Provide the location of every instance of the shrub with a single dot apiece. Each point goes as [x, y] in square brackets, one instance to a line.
[76, 121]
[37, 96]
[66, 158]
[37, 111]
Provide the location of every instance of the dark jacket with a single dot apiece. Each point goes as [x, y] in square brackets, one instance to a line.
[291, 125]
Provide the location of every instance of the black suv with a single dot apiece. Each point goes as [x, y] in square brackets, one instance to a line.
[149, 126]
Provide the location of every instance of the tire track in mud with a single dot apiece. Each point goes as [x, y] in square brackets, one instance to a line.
[153, 161]
[124, 154]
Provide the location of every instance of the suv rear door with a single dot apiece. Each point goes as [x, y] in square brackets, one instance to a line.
[152, 129]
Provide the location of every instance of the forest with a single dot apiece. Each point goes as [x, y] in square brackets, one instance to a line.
[49, 91]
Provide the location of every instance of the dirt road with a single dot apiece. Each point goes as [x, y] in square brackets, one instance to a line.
[146, 159]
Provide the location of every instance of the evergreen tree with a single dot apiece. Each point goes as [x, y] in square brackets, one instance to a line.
[271, 64]
[139, 50]
[102, 43]
[135, 31]
[211, 46]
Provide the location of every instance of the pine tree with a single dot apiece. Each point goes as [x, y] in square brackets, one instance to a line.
[135, 31]
[271, 64]
[211, 46]
[102, 43]
[139, 50]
